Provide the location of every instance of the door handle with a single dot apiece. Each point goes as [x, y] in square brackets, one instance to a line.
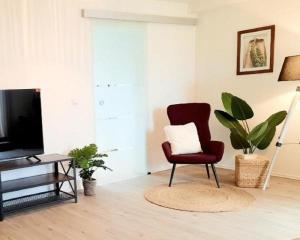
[112, 150]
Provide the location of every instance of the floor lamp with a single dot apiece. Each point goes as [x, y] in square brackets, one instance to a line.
[290, 72]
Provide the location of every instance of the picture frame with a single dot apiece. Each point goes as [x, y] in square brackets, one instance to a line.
[255, 50]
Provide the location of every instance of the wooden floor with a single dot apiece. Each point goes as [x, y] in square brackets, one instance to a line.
[120, 212]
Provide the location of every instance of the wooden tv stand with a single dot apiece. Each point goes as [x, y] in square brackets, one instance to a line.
[57, 178]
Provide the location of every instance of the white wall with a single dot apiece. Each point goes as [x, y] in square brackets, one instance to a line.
[46, 44]
[171, 56]
[217, 66]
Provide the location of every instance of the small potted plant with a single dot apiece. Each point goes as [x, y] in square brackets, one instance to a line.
[235, 116]
[88, 160]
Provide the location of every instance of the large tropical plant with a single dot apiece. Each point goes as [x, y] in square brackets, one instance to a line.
[237, 112]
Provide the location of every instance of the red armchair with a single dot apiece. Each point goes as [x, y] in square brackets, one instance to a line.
[198, 113]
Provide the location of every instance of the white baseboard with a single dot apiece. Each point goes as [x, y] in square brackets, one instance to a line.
[275, 174]
[225, 166]
[231, 167]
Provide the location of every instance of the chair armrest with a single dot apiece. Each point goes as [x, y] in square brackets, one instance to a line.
[216, 148]
[167, 150]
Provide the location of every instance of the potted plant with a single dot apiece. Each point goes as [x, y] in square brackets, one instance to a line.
[88, 160]
[235, 116]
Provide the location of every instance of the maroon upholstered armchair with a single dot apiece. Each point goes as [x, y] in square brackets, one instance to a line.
[198, 113]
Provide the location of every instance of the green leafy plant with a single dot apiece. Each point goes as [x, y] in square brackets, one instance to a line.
[235, 116]
[88, 160]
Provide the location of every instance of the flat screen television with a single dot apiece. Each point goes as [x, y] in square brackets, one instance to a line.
[21, 130]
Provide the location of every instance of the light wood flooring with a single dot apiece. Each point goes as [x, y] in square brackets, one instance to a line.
[119, 212]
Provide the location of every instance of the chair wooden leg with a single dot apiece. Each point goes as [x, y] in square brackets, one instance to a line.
[207, 170]
[172, 174]
[215, 174]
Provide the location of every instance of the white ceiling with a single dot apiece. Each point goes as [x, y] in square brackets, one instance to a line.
[204, 5]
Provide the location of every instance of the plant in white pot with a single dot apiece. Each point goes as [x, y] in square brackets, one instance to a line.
[88, 160]
[235, 116]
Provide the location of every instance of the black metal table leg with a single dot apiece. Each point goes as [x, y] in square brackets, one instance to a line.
[56, 185]
[1, 201]
[66, 172]
[75, 180]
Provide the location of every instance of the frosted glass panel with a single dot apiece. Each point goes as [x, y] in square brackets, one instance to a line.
[121, 137]
[118, 100]
[119, 52]
[119, 72]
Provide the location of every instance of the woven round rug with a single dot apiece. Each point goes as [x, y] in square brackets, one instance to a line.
[199, 197]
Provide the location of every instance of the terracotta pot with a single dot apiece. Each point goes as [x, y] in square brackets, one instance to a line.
[89, 187]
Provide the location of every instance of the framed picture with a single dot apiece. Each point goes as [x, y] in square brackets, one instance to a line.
[255, 50]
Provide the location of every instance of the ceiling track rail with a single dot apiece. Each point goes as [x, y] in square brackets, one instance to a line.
[124, 16]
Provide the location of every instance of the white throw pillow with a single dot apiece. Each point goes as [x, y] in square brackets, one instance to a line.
[183, 138]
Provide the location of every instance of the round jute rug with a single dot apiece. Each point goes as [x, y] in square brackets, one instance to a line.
[199, 197]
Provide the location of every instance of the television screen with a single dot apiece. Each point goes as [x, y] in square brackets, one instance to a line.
[21, 131]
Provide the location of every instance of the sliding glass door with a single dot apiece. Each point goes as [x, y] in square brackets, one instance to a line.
[119, 86]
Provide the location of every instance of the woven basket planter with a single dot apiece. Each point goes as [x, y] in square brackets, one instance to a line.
[250, 173]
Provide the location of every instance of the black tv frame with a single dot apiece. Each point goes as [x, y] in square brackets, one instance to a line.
[30, 156]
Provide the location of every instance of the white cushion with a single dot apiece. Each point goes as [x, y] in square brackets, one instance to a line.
[183, 138]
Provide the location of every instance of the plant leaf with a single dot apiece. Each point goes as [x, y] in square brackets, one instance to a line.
[228, 121]
[83, 163]
[276, 118]
[88, 159]
[266, 137]
[258, 131]
[266, 140]
[226, 99]
[237, 141]
[240, 109]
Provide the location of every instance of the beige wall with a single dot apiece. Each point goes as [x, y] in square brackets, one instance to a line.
[217, 65]
[46, 44]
